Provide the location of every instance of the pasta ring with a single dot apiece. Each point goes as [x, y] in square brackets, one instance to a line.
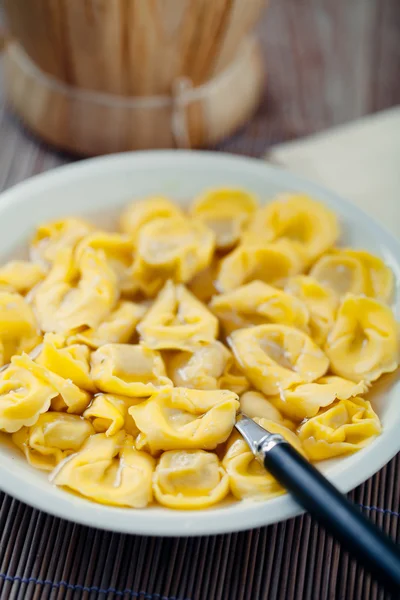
[189, 479]
[247, 477]
[277, 357]
[227, 211]
[177, 321]
[307, 224]
[180, 419]
[258, 303]
[363, 343]
[343, 428]
[108, 470]
[354, 272]
[272, 263]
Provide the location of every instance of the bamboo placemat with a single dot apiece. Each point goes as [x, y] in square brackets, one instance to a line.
[42, 557]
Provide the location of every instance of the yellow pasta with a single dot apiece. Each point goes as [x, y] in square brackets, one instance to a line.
[272, 263]
[255, 405]
[19, 330]
[211, 367]
[108, 470]
[181, 418]
[69, 396]
[247, 477]
[129, 370]
[24, 396]
[227, 211]
[70, 361]
[364, 342]
[258, 303]
[307, 224]
[118, 250]
[52, 438]
[74, 296]
[117, 328]
[55, 235]
[174, 248]
[277, 357]
[203, 284]
[320, 301]
[21, 275]
[344, 428]
[355, 272]
[189, 479]
[126, 357]
[108, 414]
[177, 321]
[305, 400]
[144, 211]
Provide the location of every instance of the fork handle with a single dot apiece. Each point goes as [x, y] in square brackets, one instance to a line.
[341, 518]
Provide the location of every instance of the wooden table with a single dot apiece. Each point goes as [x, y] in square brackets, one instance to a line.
[328, 62]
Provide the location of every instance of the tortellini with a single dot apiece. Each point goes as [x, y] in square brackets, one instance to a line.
[343, 428]
[189, 479]
[181, 418]
[174, 248]
[226, 211]
[19, 331]
[109, 414]
[247, 477]
[126, 357]
[109, 470]
[305, 400]
[118, 250]
[255, 405]
[20, 275]
[355, 272]
[203, 284]
[257, 303]
[55, 235]
[117, 328]
[211, 367]
[75, 296]
[364, 342]
[69, 396]
[129, 370]
[52, 438]
[144, 211]
[320, 301]
[277, 357]
[177, 321]
[272, 263]
[70, 361]
[24, 396]
[307, 224]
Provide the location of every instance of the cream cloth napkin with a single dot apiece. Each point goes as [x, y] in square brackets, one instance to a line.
[360, 161]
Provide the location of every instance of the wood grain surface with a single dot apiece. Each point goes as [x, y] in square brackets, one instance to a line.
[328, 62]
[132, 47]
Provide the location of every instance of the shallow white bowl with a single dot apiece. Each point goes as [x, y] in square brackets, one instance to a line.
[99, 187]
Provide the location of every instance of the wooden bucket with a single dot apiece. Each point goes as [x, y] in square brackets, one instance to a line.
[131, 47]
[90, 123]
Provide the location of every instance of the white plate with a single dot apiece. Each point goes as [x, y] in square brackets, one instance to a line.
[99, 185]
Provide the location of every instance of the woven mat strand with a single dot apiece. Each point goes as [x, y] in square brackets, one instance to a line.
[42, 557]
